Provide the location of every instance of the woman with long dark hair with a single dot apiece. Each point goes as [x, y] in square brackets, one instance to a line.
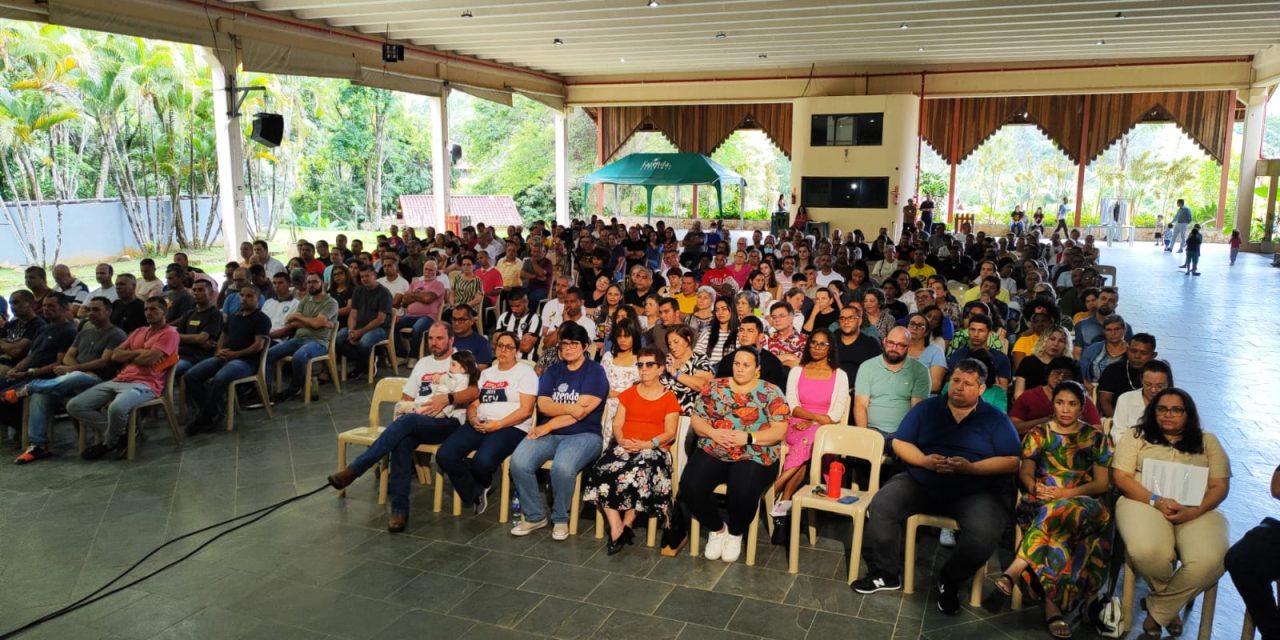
[1160, 527]
[619, 364]
[721, 336]
[1063, 554]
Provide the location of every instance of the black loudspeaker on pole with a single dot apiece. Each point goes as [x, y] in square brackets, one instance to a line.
[268, 129]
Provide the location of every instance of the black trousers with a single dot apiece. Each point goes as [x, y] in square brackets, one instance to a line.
[746, 481]
[1254, 564]
[983, 518]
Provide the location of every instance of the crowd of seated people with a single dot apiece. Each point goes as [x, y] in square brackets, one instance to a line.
[997, 369]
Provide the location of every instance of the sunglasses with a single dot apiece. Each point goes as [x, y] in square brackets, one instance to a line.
[646, 365]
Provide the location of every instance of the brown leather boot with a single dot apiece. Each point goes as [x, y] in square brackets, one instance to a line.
[397, 522]
[342, 479]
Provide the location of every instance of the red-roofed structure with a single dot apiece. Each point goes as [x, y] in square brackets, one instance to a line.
[496, 211]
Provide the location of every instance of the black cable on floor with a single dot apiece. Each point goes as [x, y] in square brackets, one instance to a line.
[94, 596]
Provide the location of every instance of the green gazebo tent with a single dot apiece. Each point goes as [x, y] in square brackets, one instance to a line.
[651, 170]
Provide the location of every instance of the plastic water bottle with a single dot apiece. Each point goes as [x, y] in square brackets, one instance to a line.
[516, 516]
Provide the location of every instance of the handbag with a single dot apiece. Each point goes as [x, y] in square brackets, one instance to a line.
[1106, 612]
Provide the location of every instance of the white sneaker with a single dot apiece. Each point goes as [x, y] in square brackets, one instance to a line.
[732, 548]
[780, 508]
[715, 545]
[526, 527]
[947, 538]
[560, 531]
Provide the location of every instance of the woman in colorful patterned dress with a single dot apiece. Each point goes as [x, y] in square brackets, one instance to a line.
[634, 475]
[740, 422]
[1063, 554]
[619, 364]
[686, 373]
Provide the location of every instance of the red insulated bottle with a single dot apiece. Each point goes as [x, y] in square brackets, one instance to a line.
[835, 479]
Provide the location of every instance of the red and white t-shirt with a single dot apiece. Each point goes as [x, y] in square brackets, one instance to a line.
[500, 392]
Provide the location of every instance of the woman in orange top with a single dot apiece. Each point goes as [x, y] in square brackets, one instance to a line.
[634, 475]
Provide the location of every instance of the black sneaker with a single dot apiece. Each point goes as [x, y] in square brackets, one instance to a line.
[95, 451]
[874, 583]
[286, 395]
[948, 599]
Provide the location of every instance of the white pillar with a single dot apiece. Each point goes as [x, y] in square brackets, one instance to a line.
[230, 149]
[1256, 101]
[562, 168]
[441, 162]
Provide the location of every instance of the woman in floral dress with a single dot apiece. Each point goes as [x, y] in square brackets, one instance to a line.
[634, 475]
[619, 364]
[1065, 468]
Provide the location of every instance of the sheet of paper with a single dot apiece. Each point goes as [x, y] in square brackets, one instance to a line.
[1182, 483]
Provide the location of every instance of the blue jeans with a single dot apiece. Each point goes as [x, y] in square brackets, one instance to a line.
[399, 441]
[568, 454]
[208, 380]
[117, 399]
[45, 394]
[419, 324]
[357, 354]
[302, 350]
[182, 367]
[470, 477]
[1179, 236]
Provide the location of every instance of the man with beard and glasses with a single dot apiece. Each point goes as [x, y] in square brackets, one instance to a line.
[311, 323]
[885, 389]
[1125, 374]
[960, 454]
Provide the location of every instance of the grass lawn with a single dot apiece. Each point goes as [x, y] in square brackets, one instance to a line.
[211, 260]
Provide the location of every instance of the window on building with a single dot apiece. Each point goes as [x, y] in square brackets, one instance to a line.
[846, 129]
[845, 193]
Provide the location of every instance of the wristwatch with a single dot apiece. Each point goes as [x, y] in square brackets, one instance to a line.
[1153, 500]
[451, 398]
[655, 443]
[750, 440]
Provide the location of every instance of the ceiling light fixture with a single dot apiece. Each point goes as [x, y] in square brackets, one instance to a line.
[763, 56]
[1120, 14]
[622, 59]
[653, 4]
[466, 13]
[720, 35]
[920, 49]
[557, 42]
[1100, 42]
[904, 26]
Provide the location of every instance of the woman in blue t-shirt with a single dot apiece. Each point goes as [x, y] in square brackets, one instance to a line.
[571, 394]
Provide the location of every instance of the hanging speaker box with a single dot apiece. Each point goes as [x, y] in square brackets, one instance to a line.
[268, 129]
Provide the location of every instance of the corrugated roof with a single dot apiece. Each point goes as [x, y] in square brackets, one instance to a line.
[498, 211]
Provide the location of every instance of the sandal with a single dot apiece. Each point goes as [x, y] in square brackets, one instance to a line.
[1004, 584]
[1058, 627]
[1175, 628]
[1148, 632]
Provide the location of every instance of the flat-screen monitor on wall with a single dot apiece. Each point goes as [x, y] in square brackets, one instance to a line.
[845, 193]
[846, 129]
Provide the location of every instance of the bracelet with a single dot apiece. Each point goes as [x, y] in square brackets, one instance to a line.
[655, 443]
[451, 398]
[750, 440]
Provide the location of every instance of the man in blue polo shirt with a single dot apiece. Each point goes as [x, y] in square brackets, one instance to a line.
[960, 454]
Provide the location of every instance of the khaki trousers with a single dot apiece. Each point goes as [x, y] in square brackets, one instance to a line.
[1155, 545]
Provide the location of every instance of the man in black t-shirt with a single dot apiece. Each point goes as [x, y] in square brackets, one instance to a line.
[751, 334]
[368, 322]
[180, 300]
[853, 347]
[243, 339]
[635, 246]
[50, 342]
[1125, 375]
[128, 310]
[17, 335]
[198, 330]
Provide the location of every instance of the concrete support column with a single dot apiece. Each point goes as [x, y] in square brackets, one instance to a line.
[441, 162]
[230, 149]
[1250, 148]
[562, 167]
[1229, 132]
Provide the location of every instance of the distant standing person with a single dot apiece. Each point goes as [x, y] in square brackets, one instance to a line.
[1193, 251]
[1180, 221]
[1235, 245]
[926, 212]
[1061, 224]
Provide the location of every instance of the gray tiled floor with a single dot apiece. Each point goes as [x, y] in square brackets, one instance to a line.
[326, 567]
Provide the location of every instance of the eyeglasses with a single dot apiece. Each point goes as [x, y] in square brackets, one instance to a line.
[505, 346]
[894, 343]
[646, 365]
[1172, 411]
[819, 345]
[850, 317]
[916, 325]
[571, 343]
